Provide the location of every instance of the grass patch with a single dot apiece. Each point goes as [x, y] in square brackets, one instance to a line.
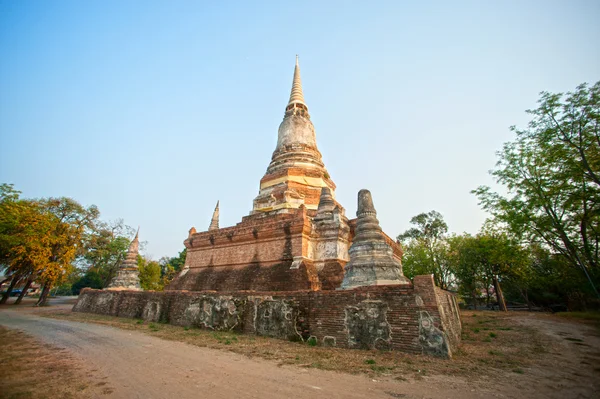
[370, 361]
[493, 335]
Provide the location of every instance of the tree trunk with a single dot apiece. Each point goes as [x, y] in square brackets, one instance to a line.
[5, 296]
[44, 296]
[25, 289]
[499, 296]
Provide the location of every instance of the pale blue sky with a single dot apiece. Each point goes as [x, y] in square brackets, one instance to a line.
[154, 110]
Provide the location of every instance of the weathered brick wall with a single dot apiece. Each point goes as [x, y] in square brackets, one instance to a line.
[400, 318]
[436, 315]
[449, 316]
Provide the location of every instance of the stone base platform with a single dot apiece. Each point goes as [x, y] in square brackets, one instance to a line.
[418, 318]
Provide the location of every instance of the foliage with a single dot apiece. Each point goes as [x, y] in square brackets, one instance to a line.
[105, 248]
[91, 279]
[552, 174]
[150, 274]
[427, 250]
[39, 239]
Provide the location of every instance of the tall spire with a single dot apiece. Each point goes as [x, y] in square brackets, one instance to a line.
[296, 96]
[214, 222]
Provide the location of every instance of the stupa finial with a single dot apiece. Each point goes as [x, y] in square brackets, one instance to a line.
[214, 222]
[296, 96]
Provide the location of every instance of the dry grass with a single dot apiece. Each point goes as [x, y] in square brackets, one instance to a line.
[590, 318]
[492, 341]
[34, 370]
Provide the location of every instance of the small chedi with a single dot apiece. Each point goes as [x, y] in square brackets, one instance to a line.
[128, 275]
[296, 267]
[372, 260]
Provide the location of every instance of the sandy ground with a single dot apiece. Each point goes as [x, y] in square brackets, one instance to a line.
[135, 365]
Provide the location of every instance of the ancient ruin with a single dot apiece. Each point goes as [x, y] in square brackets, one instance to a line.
[372, 259]
[297, 268]
[127, 277]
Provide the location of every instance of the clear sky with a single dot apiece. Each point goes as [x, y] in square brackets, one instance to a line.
[154, 110]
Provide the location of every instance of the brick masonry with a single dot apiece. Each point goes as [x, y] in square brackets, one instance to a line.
[416, 319]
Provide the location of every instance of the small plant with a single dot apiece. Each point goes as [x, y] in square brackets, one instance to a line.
[312, 341]
[476, 330]
[153, 327]
[140, 321]
[493, 335]
[494, 353]
[186, 328]
[518, 371]
[370, 361]
[297, 357]
[227, 341]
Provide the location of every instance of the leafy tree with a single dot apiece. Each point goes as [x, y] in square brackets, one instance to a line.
[105, 248]
[491, 258]
[70, 221]
[26, 239]
[426, 249]
[91, 279]
[150, 274]
[552, 175]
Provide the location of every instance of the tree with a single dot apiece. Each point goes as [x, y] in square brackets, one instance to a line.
[90, 279]
[150, 274]
[70, 220]
[25, 239]
[491, 258]
[426, 249]
[105, 248]
[552, 174]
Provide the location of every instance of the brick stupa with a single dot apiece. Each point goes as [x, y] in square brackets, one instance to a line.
[296, 236]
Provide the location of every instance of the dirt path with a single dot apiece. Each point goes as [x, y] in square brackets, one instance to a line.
[140, 366]
[136, 365]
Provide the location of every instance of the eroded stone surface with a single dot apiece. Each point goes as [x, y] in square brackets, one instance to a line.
[367, 325]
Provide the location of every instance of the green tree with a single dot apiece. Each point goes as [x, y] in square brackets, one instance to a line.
[489, 259]
[552, 175]
[91, 279]
[105, 248]
[426, 249]
[150, 274]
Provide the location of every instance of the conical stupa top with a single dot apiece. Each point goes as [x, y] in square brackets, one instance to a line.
[135, 243]
[297, 97]
[214, 222]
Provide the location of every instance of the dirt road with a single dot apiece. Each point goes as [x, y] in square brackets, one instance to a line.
[136, 365]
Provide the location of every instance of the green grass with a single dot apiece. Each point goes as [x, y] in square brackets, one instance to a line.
[493, 335]
[370, 361]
